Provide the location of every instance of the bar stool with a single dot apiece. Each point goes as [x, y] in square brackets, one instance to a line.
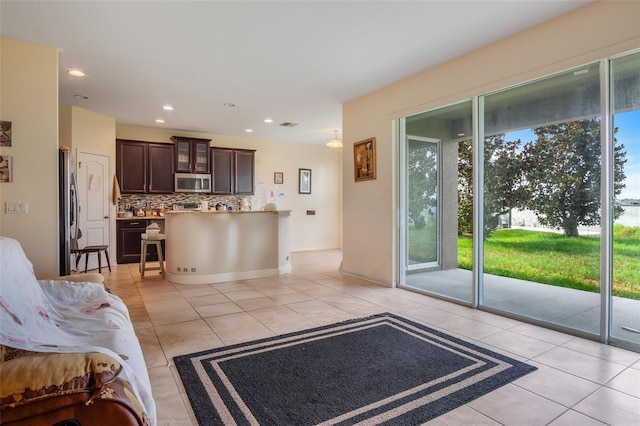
[157, 241]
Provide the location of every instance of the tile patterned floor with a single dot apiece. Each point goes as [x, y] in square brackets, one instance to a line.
[578, 382]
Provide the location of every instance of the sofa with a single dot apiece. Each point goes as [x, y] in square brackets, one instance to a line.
[68, 352]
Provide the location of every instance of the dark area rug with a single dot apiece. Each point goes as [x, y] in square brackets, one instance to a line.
[383, 369]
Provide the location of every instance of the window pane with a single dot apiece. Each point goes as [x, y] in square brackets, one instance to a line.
[625, 312]
[438, 222]
[542, 200]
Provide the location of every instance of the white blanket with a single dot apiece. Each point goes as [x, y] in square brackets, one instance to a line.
[61, 316]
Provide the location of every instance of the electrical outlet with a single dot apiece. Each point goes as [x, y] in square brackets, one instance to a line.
[17, 207]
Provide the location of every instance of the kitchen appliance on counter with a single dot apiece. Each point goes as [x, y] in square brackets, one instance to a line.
[192, 182]
[191, 206]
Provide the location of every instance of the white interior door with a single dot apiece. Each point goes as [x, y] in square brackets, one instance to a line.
[93, 191]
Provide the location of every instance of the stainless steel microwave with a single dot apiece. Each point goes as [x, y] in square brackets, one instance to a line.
[192, 182]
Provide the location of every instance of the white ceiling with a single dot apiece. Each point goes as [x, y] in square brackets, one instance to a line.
[292, 61]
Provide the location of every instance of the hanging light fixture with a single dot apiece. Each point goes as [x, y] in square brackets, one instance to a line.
[335, 143]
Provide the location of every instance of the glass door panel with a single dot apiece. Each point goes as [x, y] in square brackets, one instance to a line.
[183, 156]
[423, 184]
[542, 188]
[201, 157]
[625, 306]
[436, 224]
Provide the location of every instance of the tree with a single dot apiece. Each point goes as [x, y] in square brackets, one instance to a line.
[465, 187]
[503, 182]
[423, 183]
[557, 176]
[562, 173]
[504, 186]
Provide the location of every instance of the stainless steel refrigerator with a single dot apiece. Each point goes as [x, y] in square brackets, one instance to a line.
[68, 214]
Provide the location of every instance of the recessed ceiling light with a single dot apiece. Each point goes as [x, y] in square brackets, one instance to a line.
[75, 73]
[230, 105]
[249, 130]
[159, 120]
[80, 97]
[268, 120]
[167, 108]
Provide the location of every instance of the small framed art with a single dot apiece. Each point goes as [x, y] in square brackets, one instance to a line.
[5, 168]
[364, 159]
[278, 178]
[304, 181]
[5, 133]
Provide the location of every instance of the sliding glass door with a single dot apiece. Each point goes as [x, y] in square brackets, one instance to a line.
[423, 238]
[526, 201]
[542, 200]
[625, 306]
[435, 152]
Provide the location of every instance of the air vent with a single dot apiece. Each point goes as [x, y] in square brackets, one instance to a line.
[287, 124]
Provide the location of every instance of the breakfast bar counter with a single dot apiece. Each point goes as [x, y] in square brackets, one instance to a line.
[204, 247]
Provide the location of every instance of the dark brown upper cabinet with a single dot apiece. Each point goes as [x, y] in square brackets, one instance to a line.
[244, 172]
[233, 171]
[144, 167]
[160, 170]
[191, 155]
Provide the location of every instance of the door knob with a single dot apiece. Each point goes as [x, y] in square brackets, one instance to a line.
[106, 217]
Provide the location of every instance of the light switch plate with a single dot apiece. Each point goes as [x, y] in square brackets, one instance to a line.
[17, 207]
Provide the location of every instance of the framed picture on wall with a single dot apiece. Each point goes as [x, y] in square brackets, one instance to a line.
[364, 159]
[5, 168]
[304, 181]
[278, 178]
[5, 133]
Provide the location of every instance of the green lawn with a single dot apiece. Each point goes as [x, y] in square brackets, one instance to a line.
[552, 258]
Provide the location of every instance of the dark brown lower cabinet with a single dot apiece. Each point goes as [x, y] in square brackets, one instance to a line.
[129, 237]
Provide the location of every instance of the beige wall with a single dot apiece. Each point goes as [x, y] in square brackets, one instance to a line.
[321, 231]
[89, 132]
[29, 99]
[596, 31]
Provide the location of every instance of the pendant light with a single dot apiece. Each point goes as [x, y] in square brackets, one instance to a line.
[335, 143]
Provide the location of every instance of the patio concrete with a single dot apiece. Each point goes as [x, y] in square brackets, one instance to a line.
[575, 309]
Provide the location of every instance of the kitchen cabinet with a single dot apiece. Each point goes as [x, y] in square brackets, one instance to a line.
[244, 177]
[144, 167]
[160, 170]
[131, 166]
[222, 171]
[233, 171]
[128, 238]
[191, 155]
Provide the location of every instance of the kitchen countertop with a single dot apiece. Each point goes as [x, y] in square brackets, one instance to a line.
[141, 217]
[224, 211]
[207, 247]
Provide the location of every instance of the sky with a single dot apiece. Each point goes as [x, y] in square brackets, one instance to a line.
[628, 134]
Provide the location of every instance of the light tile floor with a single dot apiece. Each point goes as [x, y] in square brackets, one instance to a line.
[578, 382]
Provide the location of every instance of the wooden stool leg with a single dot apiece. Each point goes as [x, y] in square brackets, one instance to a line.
[160, 258]
[86, 261]
[143, 258]
[99, 260]
[106, 254]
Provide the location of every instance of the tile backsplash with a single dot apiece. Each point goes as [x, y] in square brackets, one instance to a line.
[156, 201]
